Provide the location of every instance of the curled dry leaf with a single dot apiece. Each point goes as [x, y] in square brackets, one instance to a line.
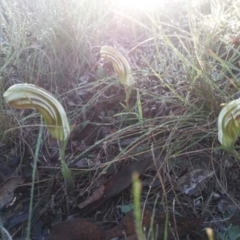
[190, 182]
[7, 190]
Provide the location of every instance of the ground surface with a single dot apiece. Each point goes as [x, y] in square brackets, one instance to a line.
[184, 61]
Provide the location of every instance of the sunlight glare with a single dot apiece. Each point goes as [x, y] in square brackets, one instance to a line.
[141, 4]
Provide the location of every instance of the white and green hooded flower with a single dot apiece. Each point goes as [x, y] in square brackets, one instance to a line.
[29, 96]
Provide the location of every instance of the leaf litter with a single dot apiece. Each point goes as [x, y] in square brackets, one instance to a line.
[7, 190]
[192, 182]
[116, 184]
[93, 102]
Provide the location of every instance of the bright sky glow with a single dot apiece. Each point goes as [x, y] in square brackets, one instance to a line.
[141, 4]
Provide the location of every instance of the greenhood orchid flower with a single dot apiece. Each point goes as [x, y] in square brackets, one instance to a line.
[25, 96]
[121, 67]
[229, 125]
[28, 96]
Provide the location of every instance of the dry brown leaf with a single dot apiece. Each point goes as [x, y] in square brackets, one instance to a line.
[152, 220]
[116, 184]
[123, 178]
[94, 197]
[7, 190]
[190, 183]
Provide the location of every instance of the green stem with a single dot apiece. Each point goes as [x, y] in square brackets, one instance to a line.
[33, 180]
[137, 206]
[234, 154]
[66, 172]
